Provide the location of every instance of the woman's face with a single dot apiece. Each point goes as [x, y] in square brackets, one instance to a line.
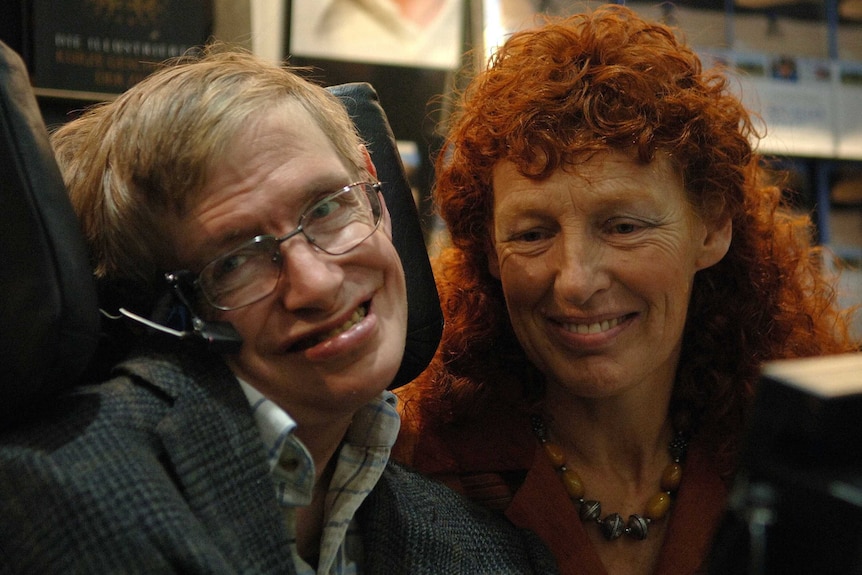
[596, 265]
[331, 335]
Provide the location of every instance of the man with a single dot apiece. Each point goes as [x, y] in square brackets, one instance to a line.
[242, 192]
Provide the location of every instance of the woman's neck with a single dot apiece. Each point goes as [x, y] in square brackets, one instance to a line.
[619, 453]
[626, 431]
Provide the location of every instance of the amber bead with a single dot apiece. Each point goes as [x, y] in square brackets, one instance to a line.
[555, 454]
[671, 477]
[589, 510]
[657, 507]
[573, 484]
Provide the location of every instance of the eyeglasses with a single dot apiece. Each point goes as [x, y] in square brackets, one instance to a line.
[336, 224]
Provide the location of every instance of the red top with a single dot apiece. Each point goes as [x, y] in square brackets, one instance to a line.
[496, 465]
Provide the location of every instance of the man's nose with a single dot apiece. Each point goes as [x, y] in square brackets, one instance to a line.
[310, 279]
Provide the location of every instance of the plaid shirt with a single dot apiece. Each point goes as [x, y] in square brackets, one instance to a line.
[361, 459]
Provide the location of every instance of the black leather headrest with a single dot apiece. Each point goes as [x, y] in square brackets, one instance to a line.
[424, 317]
[49, 320]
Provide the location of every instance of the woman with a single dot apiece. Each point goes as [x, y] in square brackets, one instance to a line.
[619, 269]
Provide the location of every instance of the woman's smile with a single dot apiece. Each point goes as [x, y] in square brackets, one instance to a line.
[599, 259]
[593, 328]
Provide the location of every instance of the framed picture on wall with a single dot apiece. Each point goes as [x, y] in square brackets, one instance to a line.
[409, 50]
[415, 33]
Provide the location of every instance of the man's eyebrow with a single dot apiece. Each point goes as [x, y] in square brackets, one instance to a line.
[301, 198]
[329, 185]
[316, 191]
[225, 243]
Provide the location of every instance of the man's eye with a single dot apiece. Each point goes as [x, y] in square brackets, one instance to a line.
[230, 264]
[324, 209]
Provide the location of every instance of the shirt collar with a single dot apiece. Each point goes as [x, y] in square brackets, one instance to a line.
[274, 424]
[375, 425]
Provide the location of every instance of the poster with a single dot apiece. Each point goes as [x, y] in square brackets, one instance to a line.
[105, 46]
[794, 98]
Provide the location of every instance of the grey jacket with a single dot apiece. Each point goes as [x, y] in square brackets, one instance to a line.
[161, 469]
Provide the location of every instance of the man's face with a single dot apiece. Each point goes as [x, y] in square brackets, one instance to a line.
[331, 336]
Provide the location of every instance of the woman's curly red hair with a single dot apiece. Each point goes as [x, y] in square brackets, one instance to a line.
[553, 96]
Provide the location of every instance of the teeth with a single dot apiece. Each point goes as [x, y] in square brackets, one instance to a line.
[354, 319]
[590, 328]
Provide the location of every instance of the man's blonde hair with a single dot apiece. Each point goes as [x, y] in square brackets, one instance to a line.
[148, 153]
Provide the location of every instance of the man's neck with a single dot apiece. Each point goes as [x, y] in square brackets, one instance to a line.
[322, 440]
[310, 519]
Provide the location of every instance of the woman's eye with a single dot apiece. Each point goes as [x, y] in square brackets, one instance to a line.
[530, 236]
[623, 227]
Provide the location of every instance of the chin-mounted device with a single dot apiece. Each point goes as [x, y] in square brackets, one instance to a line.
[174, 316]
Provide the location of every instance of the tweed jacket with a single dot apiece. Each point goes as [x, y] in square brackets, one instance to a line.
[161, 469]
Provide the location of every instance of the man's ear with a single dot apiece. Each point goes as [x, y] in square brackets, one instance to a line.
[715, 244]
[369, 165]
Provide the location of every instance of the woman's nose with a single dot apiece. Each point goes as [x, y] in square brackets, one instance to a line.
[581, 268]
[310, 278]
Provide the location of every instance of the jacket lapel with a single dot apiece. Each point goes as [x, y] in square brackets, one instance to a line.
[217, 456]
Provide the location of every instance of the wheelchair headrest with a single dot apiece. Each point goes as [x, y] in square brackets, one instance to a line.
[424, 317]
[49, 320]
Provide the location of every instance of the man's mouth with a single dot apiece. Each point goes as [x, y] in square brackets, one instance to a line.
[358, 315]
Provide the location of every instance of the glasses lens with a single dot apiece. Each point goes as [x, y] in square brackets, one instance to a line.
[336, 224]
[340, 222]
[242, 276]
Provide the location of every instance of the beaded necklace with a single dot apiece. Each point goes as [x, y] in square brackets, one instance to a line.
[613, 526]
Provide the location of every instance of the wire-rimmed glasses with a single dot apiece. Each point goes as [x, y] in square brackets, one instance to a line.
[336, 224]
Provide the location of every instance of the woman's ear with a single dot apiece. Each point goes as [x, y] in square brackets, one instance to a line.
[715, 244]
